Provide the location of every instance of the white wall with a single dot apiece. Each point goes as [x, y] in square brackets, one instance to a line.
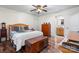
[49, 19]
[70, 15]
[74, 22]
[71, 18]
[13, 17]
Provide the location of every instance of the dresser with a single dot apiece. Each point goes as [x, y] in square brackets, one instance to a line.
[46, 29]
[0, 36]
[60, 31]
[3, 31]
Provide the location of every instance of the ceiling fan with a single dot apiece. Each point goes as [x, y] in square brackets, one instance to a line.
[39, 8]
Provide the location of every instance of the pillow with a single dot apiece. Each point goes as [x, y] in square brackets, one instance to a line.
[16, 29]
[26, 28]
[21, 29]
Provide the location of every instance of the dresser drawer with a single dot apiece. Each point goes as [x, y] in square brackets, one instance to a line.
[3, 33]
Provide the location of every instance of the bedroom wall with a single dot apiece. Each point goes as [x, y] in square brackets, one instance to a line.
[70, 15]
[12, 17]
[74, 22]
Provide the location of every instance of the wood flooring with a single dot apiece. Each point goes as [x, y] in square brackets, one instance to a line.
[52, 48]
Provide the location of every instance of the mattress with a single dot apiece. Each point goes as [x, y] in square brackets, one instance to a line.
[20, 37]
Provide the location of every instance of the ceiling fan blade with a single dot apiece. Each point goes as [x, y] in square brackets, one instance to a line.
[34, 5]
[44, 6]
[44, 10]
[33, 10]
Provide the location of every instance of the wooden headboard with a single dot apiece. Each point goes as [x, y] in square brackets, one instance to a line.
[11, 27]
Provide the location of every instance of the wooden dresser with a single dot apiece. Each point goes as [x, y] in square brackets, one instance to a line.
[60, 31]
[36, 44]
[3, 31]
[0, 36]
[46, 29]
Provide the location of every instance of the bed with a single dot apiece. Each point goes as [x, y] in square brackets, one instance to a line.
[18, 33]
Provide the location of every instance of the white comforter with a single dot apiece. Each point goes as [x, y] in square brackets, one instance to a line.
[19, 38]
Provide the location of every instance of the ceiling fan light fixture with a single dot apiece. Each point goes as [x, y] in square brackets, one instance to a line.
[39, 8]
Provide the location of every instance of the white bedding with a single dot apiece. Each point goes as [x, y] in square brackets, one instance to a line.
[19, 38]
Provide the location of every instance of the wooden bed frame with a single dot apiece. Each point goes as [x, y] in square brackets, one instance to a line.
[11, 28]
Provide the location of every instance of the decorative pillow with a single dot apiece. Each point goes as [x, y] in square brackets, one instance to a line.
[21, 29]
[26, 28]
[16, 29]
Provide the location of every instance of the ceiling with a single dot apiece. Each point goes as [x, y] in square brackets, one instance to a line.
[49, 8]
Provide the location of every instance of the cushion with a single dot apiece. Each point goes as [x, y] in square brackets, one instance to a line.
[21, 29]
[26, 28]
[16, 29]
